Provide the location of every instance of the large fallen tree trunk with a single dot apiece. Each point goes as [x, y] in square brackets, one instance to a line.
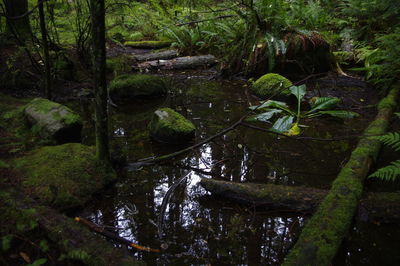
[163, 55]
[187, 62]
[384, 206]
[324, 232]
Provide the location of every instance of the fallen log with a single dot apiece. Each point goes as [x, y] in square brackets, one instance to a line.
[75, 241]
[323, 233]
[187, 62]
[163, 55]
[301, 199]
[383, 206]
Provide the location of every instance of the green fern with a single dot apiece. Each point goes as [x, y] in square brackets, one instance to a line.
[388, 173]
[391, 139]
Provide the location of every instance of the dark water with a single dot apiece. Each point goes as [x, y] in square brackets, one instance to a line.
[195, 227]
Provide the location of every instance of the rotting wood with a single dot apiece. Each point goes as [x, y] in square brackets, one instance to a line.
[163, 55]
[99, 229]
[382, 206]
[187, 62]
[323, 233]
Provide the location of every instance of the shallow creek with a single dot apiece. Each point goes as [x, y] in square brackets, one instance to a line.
[196, 228]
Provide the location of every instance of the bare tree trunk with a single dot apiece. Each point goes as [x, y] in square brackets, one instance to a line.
[99, 78]
[17, 18]
[47, 86]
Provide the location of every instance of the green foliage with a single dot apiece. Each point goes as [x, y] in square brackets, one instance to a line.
[289, 124]
[389, 172]
[392, 171]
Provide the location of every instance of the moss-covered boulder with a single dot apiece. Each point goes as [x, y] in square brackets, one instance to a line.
[63, 176]
[148, 44]
[271, 84]
[53, 121]
[169, 126]
[134, 86]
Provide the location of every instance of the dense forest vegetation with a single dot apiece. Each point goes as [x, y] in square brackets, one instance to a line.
[186, 132]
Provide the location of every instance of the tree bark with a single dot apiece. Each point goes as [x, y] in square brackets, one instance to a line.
[382, 206]
[99, 78]
[322, 235]
[43, 30]
[17, 23]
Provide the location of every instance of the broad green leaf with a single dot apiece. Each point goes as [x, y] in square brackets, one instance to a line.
[339, 113]
[298, 91]
[324, 103]
[264, 117]
[294, 130]
[268, 104]
[283, 124]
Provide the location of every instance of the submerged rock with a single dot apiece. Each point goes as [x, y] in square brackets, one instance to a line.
[132, 86]
[169, 126]
[53, 121]
[271, 84]
[63, 176]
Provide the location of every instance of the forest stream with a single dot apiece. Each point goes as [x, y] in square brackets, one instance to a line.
[190, 225]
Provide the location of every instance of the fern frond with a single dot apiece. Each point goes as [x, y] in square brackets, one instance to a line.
[388, 173]
[392, 139]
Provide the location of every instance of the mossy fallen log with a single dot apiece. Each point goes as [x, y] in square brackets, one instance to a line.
[301, 199]
[187, 62]
[74, 242]
[383, 206]
[163, 55]
[324, 232]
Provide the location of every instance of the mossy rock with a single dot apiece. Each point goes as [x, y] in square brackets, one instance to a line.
[171, 127]
[271, 84]
[63, 176]
[53, 121]
[133, 86]
[148, 44]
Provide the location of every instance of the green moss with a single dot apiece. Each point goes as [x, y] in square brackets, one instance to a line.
[119, 65]
[63, 176]
[270, 85]
[148, 44]
[169, 126]
[131, 86]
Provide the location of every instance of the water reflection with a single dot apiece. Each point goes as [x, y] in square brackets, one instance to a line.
[196, 228]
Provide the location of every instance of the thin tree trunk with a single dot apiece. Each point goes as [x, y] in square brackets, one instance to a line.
[16, 22]
[99, 78]
[47, 86]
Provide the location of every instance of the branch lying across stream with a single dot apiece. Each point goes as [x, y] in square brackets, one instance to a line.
[99, 229]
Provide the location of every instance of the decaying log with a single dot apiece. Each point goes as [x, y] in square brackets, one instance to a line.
[323, 233]
[301, 199]
[163, 55]
[383, 206]
[187, 62]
